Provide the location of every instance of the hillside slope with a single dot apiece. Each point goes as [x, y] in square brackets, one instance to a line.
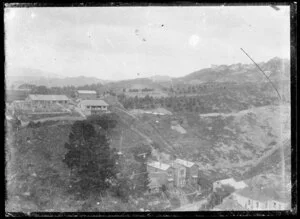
[224, 142]
[276, 69]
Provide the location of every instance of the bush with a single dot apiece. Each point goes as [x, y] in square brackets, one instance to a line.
[34, 125]
[175, 202]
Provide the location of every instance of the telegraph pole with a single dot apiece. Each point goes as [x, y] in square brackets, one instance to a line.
[280, 102]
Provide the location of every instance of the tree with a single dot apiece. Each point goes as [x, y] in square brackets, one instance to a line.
[15, 123]
[141, 153]
[217, 197]
[90, 159]
[204, 183]
[40, 90]
[141, 179]
[105, 121]
[27, 86]
[175, 202]
[122, 188]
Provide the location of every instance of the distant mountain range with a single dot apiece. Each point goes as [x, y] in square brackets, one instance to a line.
[161, 78]
[37, 77]
[276, 69]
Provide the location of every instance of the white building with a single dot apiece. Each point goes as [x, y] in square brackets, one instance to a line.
[260, 199]
[191, 170]
[90, 107]
[161, 174]
[179, 174]
[36, 99]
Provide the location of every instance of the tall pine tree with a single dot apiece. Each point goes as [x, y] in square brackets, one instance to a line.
[90, 160]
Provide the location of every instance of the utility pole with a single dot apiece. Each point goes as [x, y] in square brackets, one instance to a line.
[280, 101]
[262, 72]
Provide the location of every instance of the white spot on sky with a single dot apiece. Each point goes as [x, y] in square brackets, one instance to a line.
[33, 15]
[194, 40]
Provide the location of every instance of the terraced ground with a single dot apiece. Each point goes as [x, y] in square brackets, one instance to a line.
[226, 144]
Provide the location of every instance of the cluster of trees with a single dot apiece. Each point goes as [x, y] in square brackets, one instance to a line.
[234, 98]
[14, 124]
[136, 102]
[176, 104]
[182, 89]
[137, 90]
[133, 180]
[217, 196]
[68, 90]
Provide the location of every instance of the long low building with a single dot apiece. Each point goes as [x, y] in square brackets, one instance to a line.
[47, 99]
[260, 199]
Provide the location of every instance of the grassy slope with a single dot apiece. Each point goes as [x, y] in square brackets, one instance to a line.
[272, 163]
[36, 176]
[37, 179]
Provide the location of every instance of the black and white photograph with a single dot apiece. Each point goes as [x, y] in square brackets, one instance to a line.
[142, 108]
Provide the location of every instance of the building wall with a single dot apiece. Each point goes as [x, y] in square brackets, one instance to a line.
[44, 102]
[179, 176]
[88, 110]
[258, 205]
[276, 205]
[165, 174]
[191, 172]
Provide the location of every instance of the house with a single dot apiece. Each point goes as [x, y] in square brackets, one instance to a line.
[191, 171]
[158, 167]
[90, 107]
[229, 182]
[179, 174]
[260, 199]
[86, 94]
[164, 173]
[37, 99]
[158, 180]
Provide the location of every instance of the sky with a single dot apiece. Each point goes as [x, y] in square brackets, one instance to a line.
[117, 43]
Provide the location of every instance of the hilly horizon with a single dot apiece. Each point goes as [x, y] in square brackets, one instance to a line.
[275, 68]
